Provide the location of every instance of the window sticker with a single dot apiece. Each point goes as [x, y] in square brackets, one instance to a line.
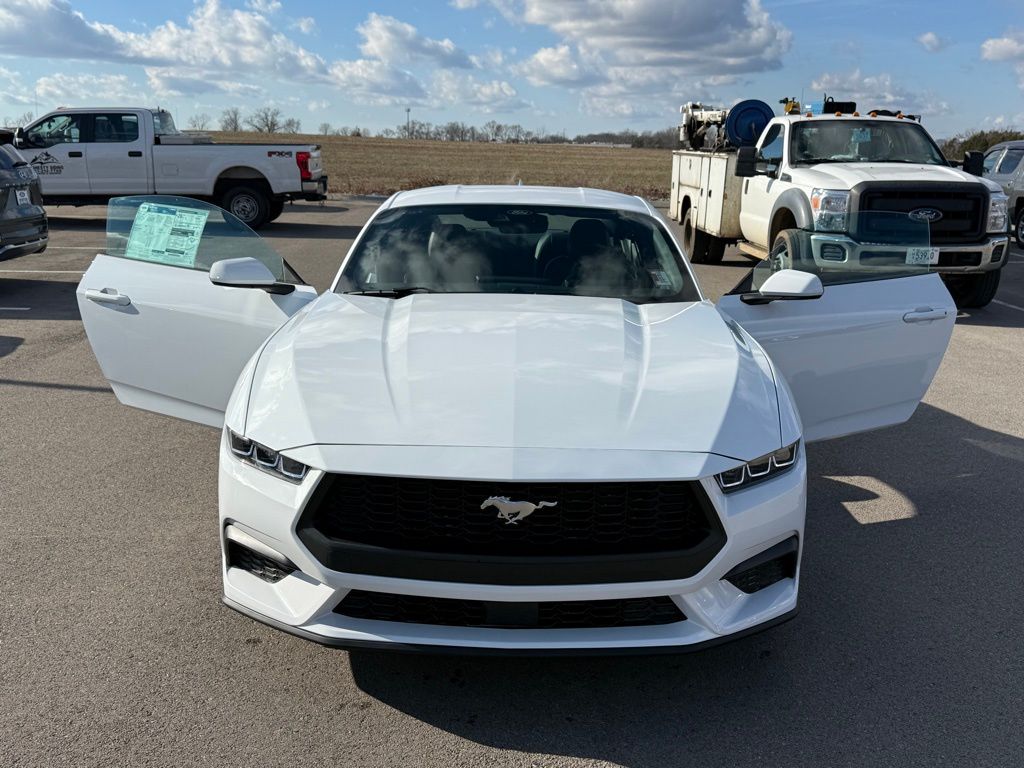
[166, 234]
[861, 135]
[661, 280]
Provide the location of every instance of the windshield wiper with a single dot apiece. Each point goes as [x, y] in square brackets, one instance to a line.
[393, 293]
[816, 160]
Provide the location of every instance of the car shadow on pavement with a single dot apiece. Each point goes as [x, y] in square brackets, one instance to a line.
[22, 299]
[993, 316]
[304, 230]
[9, 343]
[907, 643]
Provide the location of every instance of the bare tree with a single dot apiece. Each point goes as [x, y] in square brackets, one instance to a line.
[18, 122]
[265, 120]
[199, 122]
[231, 120]
[291, 125]
[325, 129]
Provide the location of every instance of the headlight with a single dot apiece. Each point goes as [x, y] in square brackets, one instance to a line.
[998, 218]
[266, 459]
[760, 469]
[829, 207]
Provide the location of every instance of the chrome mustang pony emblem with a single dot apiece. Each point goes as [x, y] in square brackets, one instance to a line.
[514, 511]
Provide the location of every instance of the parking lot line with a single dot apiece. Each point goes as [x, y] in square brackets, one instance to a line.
[42, 271]
[15, 309]
[1007, 304]
[72, 247]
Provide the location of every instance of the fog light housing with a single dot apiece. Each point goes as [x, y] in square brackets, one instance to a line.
[767, 568]
[833, 252]
[997, 254]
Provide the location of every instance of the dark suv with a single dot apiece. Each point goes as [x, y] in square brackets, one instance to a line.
[22, 218]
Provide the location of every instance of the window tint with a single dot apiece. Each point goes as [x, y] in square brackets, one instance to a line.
[771, 150]
[522, 249]
[1010, 161]
[59, 129]
[991, 159]
[115, 128]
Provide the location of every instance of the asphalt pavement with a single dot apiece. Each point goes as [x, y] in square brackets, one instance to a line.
[116, 650]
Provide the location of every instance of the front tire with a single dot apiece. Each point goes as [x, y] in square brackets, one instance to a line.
[248, 204]
[695, 242]
[276, 209]
[787, 250]
[975, 291]
[1019, 228]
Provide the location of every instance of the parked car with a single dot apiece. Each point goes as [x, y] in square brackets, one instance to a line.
[89, 155]
[513, 423]
[1004, 166]
[23, 228]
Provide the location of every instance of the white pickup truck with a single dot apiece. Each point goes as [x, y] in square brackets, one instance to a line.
[822, 174]
[87, 156]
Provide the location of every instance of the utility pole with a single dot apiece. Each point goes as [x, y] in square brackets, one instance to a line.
[408, 124]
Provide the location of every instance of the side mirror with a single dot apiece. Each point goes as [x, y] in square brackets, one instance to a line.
[746, 162]
[974, 163]
[786, 285]
[19, 137]
[247, 272]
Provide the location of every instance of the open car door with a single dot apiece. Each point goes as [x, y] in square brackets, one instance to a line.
[862, 354]
[167, 338]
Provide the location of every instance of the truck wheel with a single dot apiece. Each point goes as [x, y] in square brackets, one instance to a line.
[276, 209]
[716, 250]
[1019, 228]
[976, 291]
[249, 204]
[695, 242]
[787, 250]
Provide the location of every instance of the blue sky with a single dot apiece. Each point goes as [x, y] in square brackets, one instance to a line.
[561, 65]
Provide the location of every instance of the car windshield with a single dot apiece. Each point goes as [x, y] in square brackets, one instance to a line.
[163, 123]
[517, 249]
[826, 140]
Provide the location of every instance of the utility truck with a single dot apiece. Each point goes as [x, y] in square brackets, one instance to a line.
[850, 181]
[89, 155]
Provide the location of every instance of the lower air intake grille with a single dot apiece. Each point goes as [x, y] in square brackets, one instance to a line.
[577, 614]
[255, 563]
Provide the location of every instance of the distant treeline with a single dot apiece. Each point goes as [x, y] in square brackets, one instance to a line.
[977, 141]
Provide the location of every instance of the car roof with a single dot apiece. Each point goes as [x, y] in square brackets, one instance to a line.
[1013, 144]
[574, 197]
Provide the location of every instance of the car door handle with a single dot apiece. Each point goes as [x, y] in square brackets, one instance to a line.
[135, 153]
[74, 154]
[925, 315]
[107, 296]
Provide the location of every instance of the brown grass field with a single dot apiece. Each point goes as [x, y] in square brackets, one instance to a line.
[381, 166]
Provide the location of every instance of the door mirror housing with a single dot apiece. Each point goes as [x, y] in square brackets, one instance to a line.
[974, 163]
[19, 137]
[247, 272]
[786, 285]
[746, 162]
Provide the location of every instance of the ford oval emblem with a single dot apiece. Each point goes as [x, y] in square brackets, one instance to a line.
[929, 215]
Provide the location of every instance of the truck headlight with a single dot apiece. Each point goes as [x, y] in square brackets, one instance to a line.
[998, 217]
[760, 469]
[829, 207]
[265, 458]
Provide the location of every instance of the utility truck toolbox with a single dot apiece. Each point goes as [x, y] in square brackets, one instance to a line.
[750, 177]
[86, 156]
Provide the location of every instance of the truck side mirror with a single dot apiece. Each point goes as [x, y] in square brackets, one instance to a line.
[974, 163]
[19, 137]
[746, 162]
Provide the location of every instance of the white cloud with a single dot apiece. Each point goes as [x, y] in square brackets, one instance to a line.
[70, 90]
[932, 42]
[12, 88]
[560, 65]
[880, 91]
[390, 40]
[264, 6]
[1010, 47]
[374, 82]
[485, 96]
[318, 105]
[305, 24]
[167, 82]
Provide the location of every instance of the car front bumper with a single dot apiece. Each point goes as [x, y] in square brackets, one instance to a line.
[22, 236]
[985, 256]
[257, 506]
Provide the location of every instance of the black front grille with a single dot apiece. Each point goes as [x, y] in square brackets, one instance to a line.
[445, 516]
[575, 614]
[446, 530]
[257, 564]
[964, 207]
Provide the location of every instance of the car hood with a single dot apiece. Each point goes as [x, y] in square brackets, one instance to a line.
[489, 370]
[846, 175]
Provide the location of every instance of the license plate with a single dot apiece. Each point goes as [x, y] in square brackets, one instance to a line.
[922, 255]
[22, 196]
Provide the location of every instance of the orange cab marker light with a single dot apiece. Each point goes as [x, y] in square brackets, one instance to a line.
[839, 114]
[809, 114]
[856, 114]
[874, 114]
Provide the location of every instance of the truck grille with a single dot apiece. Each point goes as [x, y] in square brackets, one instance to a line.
[575, 614]
[964, 208]
[440, 529]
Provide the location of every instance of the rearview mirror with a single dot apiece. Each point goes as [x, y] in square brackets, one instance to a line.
[746, 162]
[247, 272]
[786, 284]
[974, 163]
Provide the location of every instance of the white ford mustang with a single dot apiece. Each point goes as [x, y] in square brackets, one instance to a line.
[514, 423]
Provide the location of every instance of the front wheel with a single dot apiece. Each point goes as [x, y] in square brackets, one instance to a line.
[1019, 228]
[787, 250]
[248, 204]
[276, 209]
[695, 242]
[975, 291]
